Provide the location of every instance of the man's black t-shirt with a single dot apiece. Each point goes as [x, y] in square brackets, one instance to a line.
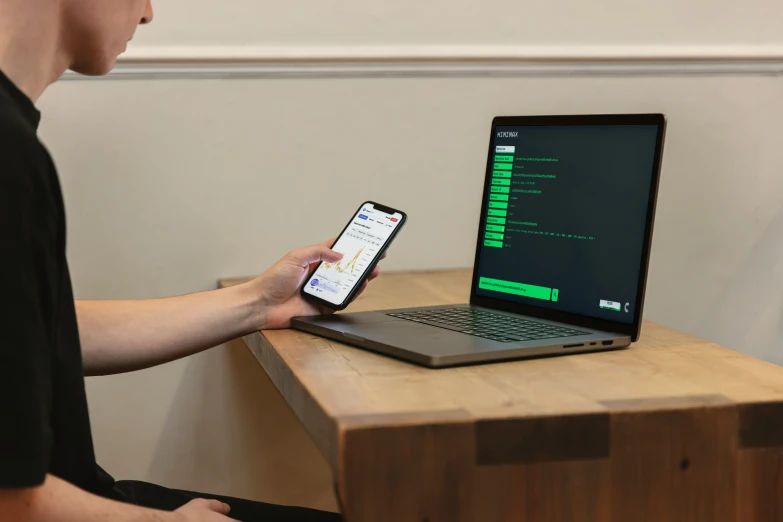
[44, 424]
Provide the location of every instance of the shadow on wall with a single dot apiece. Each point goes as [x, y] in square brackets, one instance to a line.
[230, 432]
[762, 313]
[717, 260]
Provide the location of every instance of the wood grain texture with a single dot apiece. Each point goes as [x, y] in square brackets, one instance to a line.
[542, 439]
[673, 465]
[760, 485]
[761, 425]
[561, 491]
[408, 471]
[674, 428]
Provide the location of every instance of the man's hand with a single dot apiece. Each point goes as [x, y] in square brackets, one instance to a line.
[202, 510]
[279, 287]
[58, 501]
[124, 336]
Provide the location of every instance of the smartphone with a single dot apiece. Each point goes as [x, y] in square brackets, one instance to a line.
[362, 242]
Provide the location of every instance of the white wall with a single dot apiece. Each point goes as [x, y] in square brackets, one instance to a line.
[171, 184]
[183, 183]
[417, 22]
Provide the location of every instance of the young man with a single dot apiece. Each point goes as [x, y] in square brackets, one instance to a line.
[47, 464]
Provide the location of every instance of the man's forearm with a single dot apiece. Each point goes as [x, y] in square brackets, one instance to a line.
[123, 336]
[59, 501]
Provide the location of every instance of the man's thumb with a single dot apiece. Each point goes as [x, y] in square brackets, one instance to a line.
[313, 254]
[219, 507]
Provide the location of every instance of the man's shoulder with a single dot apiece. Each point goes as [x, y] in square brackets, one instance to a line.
[24, 161]
[12, 121]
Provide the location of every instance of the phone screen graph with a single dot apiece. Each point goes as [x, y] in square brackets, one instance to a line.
[361, 242]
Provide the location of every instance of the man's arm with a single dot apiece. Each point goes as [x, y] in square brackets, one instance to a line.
[123, 336]
[59, 501]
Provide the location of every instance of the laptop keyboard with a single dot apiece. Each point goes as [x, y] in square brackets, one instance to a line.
[497, 327]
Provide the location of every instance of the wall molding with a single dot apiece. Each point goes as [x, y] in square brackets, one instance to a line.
[171, 62]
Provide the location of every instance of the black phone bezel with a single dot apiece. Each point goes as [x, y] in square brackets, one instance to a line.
[352, 295]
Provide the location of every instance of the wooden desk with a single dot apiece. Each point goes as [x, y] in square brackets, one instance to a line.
[673, 429]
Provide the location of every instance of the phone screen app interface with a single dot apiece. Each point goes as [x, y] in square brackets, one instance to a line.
[360, 244]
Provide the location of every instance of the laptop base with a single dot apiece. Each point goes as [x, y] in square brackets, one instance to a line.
[435, 347]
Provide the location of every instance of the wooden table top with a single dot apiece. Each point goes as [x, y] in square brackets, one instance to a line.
[674, 428]
[334, 385]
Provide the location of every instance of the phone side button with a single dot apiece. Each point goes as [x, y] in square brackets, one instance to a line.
[354, 337]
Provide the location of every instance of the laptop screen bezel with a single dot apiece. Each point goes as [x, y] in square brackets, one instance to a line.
[632, 329]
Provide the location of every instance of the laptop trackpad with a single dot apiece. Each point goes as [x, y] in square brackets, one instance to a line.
[416, 337]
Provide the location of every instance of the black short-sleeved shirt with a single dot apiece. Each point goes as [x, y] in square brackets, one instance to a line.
[44, 424]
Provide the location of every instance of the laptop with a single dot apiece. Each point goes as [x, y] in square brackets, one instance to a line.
[562, 252]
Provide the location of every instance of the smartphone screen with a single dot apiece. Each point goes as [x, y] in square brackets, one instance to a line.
[362, 241]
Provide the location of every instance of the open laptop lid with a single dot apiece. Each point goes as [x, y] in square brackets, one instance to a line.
[567, 218]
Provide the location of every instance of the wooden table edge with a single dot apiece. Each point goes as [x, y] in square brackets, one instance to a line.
[758, 423]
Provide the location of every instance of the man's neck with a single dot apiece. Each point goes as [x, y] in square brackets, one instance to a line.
[30, 53]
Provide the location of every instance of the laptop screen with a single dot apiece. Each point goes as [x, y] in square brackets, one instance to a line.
[564, 220]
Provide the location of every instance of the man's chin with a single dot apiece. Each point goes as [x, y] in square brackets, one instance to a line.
[94, 67]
